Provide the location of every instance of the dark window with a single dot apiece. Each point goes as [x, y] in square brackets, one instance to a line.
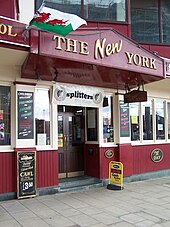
[5, 115]
[108, 129]
[147, 120]
[134, 120]
[165, 21]
[150, 21]
[103, 10]
[92, 124]
[168, 110]
[160, 119]
[72, 6]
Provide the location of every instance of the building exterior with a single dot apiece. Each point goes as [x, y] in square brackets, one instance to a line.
[70, 105]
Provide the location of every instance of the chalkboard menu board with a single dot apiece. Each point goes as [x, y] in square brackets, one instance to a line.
[25, 115]
[124, 119]
[26, 174]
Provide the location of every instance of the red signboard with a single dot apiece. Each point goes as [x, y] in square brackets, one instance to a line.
[107, 48]
[13, 32]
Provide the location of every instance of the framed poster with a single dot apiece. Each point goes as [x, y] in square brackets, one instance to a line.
[26, 174]
[25, 115]
[124, 119]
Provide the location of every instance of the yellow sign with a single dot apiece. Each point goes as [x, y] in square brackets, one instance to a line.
[60, 142]
[116, 174]
[134, 119]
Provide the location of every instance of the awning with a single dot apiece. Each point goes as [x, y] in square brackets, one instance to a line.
[102, 58]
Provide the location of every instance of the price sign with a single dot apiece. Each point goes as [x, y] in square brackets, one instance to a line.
[26, 174]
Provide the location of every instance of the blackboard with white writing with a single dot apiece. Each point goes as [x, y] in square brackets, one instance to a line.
[26, 174]
[25, 115]
[124, 119]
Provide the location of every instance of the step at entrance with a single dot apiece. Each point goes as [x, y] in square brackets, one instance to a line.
[79, 183]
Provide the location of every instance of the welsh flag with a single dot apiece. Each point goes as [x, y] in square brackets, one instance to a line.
[56, 21]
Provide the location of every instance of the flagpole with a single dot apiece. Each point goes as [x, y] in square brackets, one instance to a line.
[42, 5]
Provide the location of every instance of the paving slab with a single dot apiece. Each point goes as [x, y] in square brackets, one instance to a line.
[140, 204]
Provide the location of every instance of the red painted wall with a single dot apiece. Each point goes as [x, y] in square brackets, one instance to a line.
[91, 160]
[142, 162]
[7, 172]
[9, 9]
[162, 50]
[96, 164]
[104, 162]
[47, 168]
[126, 157]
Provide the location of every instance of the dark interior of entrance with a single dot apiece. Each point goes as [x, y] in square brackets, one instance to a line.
[71, 126]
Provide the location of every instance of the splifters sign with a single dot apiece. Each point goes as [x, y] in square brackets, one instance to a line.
[115, 176]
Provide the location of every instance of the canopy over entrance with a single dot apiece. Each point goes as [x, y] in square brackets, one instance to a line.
[102, 58]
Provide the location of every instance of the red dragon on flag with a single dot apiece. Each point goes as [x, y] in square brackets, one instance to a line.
[56, 21]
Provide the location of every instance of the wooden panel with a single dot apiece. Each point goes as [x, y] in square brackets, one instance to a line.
[61, 162]
[7, 172]
[104, 162]
[47, 168]
[7, 9]
[142, 162]
[126, 157]
[92, 160]
[75, 161]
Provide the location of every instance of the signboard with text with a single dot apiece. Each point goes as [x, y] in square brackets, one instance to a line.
[13, 32]
[124, 119]
[115, 175]
[25, 115]
[26, 174]
[105, 47]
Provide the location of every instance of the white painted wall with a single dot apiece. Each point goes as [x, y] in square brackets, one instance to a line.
[26, 8]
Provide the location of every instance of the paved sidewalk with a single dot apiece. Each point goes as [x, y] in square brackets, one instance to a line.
[144, 203]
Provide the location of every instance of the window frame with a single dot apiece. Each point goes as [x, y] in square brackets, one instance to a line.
[96, 124]
[160, 25]
[9, 147]
[126, 21]
[36, 140]
[154, 140]
[53, 121]
[111, 118]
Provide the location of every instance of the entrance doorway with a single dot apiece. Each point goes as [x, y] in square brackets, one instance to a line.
[71, 125]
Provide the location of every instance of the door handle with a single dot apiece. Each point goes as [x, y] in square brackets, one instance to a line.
[65, 139]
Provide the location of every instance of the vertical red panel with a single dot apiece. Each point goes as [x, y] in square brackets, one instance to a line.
[92, 160]
[47, 168]
[7, 172]
[104, 161]
[126, 157]
[8, 9]
[143, 162]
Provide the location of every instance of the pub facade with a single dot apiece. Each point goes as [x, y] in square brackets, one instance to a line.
[70, 105]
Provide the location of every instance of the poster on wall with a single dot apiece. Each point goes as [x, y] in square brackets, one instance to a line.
[26, 174]
[25, 115]
[124, 119]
